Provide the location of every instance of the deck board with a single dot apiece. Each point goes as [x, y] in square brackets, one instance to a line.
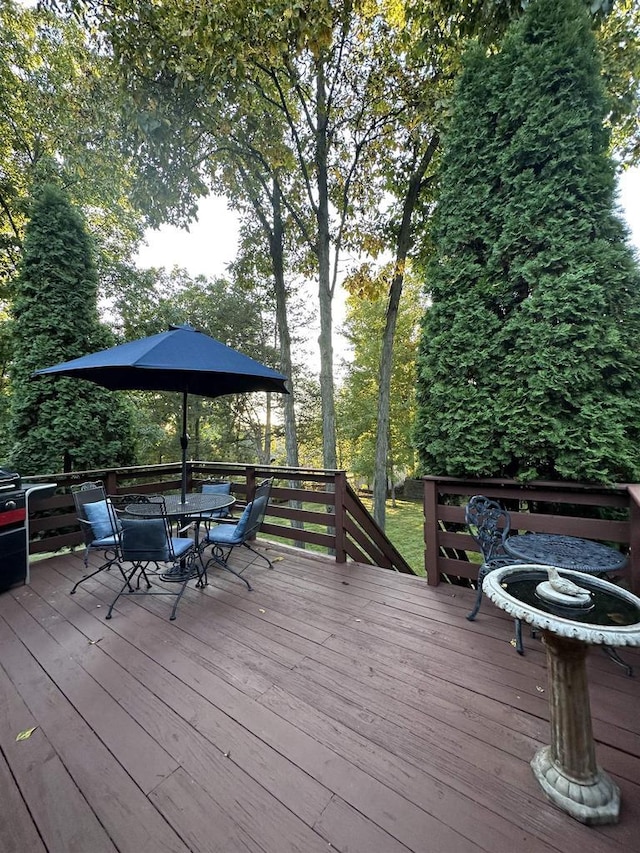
[334, 707]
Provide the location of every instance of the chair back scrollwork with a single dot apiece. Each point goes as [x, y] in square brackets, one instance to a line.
[489, 524]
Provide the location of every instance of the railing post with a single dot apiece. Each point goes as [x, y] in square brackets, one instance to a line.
[340, 490]
[251, 483]
[111, 483]
[634, 538]
[431, 532]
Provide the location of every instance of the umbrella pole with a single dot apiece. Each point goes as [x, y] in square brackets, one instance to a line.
[184, 443]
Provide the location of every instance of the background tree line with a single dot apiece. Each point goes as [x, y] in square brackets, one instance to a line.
[321, 122]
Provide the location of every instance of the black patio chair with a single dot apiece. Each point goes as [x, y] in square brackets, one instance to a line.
[99, 524]
[214, 487]
[223, 538]
[147, 544]
[489, 523]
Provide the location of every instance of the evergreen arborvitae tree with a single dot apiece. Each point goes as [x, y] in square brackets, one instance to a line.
[57, 423]
[529, 363]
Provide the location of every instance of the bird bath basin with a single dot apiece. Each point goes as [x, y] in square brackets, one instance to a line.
[570, 621]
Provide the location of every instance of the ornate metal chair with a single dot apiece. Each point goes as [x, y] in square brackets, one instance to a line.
[99, 524]
[489, 524]
[225, 537]
[146, 542]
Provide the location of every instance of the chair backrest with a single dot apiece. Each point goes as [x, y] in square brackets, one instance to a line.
[253, 516]
[489, 524]
[94, 512]
[217, 487]
[146, 539]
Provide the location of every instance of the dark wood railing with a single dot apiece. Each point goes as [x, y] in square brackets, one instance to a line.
[610, 515]
[307, 506]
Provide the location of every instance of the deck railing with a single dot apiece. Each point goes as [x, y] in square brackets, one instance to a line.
[610, 515]
[307, 507]
[319, 508]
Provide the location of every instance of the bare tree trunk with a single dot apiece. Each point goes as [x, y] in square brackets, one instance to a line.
[325, 290]
[277, 263]
[386, 356]
[266, 448]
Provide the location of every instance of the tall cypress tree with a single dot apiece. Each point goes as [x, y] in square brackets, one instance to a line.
[57, 423]
[529, 363]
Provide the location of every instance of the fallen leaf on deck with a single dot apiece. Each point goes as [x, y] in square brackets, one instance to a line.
[539, 689]
[512, 643]
[261, 610]
[277, 559]
[26, 733]
[93, 642]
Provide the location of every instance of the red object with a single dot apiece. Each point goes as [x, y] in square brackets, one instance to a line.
[12, 516]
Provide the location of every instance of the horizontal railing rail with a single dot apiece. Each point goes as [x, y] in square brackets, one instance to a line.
[307, 507]
[606, 514]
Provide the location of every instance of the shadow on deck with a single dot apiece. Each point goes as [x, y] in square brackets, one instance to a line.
[335, 707]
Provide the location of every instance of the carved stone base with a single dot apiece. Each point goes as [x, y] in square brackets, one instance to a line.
[593, 804]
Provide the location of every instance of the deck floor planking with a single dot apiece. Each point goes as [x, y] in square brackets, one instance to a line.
[334, 707]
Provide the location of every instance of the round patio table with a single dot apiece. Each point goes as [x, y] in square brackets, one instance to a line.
[194, 505]
[565, 552]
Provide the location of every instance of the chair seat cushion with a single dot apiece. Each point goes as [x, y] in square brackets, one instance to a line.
[226, 534]
[215, 513]
[105, 542]
[102, 518]
[230, 534]
[181, 546]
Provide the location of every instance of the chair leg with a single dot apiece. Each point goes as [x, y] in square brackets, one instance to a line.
[519, 645]
[258, 554]
[218, 557]
[178, 597]
[615, 657]
[140, 569]
[481, 575]
[127, 583]
[104, 567]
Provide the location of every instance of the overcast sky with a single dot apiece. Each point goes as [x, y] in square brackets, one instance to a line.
[211, 243]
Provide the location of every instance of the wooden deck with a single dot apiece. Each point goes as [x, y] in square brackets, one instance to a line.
[335, 707]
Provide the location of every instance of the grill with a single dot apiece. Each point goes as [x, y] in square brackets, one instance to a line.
[13, 530]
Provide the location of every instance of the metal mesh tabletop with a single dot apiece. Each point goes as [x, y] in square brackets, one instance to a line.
[565, 552]
[194, 505]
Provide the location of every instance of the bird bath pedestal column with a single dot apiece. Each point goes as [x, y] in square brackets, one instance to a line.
[566, 769]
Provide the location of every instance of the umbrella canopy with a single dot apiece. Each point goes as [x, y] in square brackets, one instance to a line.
[182, 359]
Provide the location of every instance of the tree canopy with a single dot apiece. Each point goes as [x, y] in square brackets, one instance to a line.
[60, 121]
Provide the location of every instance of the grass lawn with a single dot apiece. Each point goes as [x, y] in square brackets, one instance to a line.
[404, 528]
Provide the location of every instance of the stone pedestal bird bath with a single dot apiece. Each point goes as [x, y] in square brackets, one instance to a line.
[573, 612]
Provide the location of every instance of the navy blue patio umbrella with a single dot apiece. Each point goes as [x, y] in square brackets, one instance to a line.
[182, 359]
